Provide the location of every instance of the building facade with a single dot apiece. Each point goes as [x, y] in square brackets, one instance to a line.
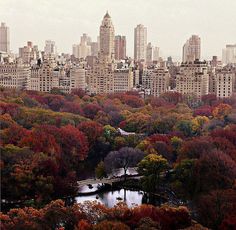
[15, 75]
[193, 78]
[149, 54]
[229, 54]
[101, 76]
[29, 53]
[50, 47]
[4, 38]
[123, 80]
[192, 49]
[120, 47]
[107, 37]
[140, 42]
[159, 82]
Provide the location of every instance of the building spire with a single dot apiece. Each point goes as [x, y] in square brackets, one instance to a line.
[107, 15]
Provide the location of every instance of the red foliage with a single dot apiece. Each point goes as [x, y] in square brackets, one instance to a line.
[195, 148]
[169, 218]
[10, 108]
[157, 102]
[39, 140]
[225, 146]
[157, 137]
[133, 101]
[218, 209]
[14, 134]
[229, 222]
[204, 110]
[228, 134]
[92, 130]
[73, 142]
[209, 99]
[78, 92]
[215, 170]
[72, 107]
[172, 97]
[91, 110]
[55, 102]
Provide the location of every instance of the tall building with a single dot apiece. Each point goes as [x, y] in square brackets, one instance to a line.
[156, 53]
[94, 48]
[29, 53]
[50, 47]
[192, 49]
[100, 77]
[193, 79]
[140, 42]
[120, 47]
[149, 54]
[84, 49]
[43, 78]
[229, 54]
[75, 50]
[222, 83]
[85, 39]
[107, 37]
[4, 38]
[77, 78]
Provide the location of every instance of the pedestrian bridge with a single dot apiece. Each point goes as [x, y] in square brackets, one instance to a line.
[109, 181]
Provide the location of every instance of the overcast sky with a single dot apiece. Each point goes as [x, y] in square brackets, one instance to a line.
[169, 22]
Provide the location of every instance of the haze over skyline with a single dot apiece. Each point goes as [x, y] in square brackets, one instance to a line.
[169, 22]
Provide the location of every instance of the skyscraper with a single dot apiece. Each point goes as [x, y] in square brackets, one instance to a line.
[107, 37]
[50, 47]
[149, 54]
[4, 38]
[120, 47]
[192, 49]
[229, 54]
[140, 42]
[85, 38]
[84, 46]
[156, 53]
[100, 77]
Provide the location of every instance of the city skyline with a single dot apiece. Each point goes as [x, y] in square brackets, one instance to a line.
[168, 23]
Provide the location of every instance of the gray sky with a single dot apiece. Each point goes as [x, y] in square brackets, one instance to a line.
[169, 22]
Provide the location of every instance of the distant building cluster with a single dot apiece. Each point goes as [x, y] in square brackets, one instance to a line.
[102, 66]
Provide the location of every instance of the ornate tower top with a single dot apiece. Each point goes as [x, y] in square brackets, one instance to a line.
[107, 15]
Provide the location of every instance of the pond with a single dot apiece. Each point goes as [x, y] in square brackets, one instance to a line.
[111, 198]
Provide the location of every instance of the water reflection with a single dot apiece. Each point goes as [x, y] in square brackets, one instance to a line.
[111, 198]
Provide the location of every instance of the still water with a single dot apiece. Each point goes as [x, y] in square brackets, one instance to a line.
[111, 198]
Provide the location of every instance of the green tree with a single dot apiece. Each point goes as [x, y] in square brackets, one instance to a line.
[184, 181]
[151, 168]
[100, 170]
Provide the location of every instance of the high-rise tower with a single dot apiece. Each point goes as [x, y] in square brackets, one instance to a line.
[140, 43]
[107, 37]
[192, 49]
[4, 38]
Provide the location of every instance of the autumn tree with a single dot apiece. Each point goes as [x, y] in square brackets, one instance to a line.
[151, 168]
[221, 111]
[92, 130]
[216, 210]
[215, 170]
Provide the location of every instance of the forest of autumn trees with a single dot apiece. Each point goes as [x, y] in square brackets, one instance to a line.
[50, 141]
